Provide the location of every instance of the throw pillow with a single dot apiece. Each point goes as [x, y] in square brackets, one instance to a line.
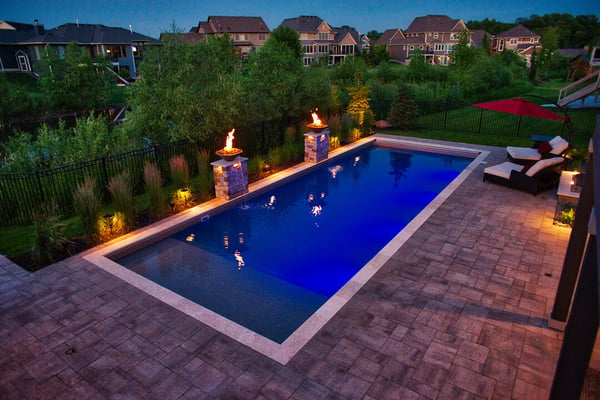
[544, 148]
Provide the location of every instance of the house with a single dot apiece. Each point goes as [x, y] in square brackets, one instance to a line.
[319, 40]
[123, 47]
[579, 64]
[519, 39]
[435, 35]
[14, 54]
[248, 33]
[477, 37]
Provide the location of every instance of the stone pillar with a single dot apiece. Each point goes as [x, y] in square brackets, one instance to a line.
[316, 146]
[231, 178]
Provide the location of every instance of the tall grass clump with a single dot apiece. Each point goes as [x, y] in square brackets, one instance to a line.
[153, 183]
[180, 173]
[122, 197]
[86, 202]
[205, 175]
[49, 240]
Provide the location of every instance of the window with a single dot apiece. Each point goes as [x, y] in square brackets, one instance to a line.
[513, 41]
[240, 36]
[501, 45]
[323, 48]
[532, 40]
[347, 49]
[439, 47]
[323, 36]
[435, 35]
[454, 36]
[261, 36]
[115, 51]
[412, 47]
[308, 49]
[307, 61]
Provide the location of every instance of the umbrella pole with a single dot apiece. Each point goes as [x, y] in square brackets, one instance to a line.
[519, 126]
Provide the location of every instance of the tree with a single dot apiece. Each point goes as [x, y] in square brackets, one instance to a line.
[273, 87]
[373, 36]
[359, 107]
[404, 111]
[376, 55]
[186, 90]
[546, 57]
[486, 44]
[418, 68]
[289, 37]
[75, 82]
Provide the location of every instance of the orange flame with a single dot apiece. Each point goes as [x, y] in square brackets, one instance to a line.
[316, 120]
[229, 141]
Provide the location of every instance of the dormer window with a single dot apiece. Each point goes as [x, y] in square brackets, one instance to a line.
[323, 36]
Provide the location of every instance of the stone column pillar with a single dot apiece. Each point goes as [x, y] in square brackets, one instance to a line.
[231, 178]
[316, 146]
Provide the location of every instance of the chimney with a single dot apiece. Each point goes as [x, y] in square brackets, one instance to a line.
[36, 27]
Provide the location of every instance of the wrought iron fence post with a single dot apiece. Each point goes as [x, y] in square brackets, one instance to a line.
[480, 121]
[38, 179]
[445, 116]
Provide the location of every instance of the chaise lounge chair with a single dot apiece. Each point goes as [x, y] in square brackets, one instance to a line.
[522, 155]
[532, 178]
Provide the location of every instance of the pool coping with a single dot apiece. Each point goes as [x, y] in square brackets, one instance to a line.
[285, 351]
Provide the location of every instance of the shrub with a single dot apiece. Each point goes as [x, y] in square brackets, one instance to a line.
[153, 182]
[122, 196]
[87, 207]
[275, 157]
[180, 175]
[49, 240]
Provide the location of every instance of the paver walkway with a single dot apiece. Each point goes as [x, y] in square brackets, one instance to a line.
[459, 312]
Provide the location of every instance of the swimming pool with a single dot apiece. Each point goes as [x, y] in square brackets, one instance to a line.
[273, 261]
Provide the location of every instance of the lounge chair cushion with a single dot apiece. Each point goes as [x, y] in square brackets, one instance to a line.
[503, 170]
[540, 165]
[523, 153]
[559, 145]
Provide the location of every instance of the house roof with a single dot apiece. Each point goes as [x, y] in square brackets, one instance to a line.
[435, 23]
[517, 31]
[477, 36]
[303, 23]
[187, 37]
[19, 26]
[342, 32]
[90, 34]
[16, 32]
[222, 24]
[387, 36]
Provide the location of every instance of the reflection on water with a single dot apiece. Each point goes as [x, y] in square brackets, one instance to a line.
[270, 262]
[400, 163]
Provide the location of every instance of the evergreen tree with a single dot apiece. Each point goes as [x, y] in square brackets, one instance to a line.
[404, 112]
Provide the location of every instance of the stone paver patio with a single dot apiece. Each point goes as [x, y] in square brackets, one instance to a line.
[459, 312]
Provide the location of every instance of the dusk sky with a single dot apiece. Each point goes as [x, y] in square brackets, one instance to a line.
[151, 17]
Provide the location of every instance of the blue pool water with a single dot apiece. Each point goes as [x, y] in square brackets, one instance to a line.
[271, 262]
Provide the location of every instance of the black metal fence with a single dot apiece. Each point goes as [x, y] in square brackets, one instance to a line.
[22, 193]
[470, 119]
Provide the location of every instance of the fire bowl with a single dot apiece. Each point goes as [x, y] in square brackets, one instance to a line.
[317, 128]
[229, 155]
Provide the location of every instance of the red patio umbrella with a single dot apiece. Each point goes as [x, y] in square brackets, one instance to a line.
[519, 106]
[522, 108]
